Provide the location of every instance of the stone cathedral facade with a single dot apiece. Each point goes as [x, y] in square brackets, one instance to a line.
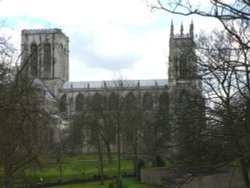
[47, 52]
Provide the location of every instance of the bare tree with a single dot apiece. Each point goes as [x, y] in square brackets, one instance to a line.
[110, 118]
[225, 70]
[97, 121]
[233, 15]
[223, 58]
[22, 118]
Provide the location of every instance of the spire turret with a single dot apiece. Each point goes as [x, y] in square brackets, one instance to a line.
[181, 29]
[172, 29]
[191, 29]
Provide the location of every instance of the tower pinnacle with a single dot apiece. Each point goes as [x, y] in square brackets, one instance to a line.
[191, 29]
[181, 29]
[172, 29]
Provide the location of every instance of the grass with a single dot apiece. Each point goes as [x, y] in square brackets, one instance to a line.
[76, 168]
[81, 167]
[131, 183]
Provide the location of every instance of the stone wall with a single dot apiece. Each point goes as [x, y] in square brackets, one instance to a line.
[161, 176]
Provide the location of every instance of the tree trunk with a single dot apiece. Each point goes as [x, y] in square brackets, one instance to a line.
[119, 149]
[135, 157]
[244, 173]
[60, 163]
[8, 177]
[101, 171]
[109, 153]
[60, 173]
[243, 165]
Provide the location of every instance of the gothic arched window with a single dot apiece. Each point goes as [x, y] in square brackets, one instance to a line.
[62, 104]
[164, 103]
[93, 132]
[96, 111]
[130, 101]
[34, 59]
[79, 103]
[97, 102]
[97, 98]
[147, 102]
[47, 58]
[114, 102]
[184, 101]
[131, 117]
[175, 66]
[183, 66]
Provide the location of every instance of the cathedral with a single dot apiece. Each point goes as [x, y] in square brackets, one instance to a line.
[47, 51]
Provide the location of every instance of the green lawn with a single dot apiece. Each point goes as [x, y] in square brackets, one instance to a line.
[76, 168]
[131, 183]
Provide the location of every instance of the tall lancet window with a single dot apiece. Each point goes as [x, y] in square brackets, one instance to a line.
[79, 103]
[164, 103]
[130, 102]
[47, 58]
[62, 104]
[147, 102]
[34, 59]
[184, 101]
[183, 66]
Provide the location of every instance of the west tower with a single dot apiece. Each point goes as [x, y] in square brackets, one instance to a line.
[186, 102]
[182, 60]
[45, 53]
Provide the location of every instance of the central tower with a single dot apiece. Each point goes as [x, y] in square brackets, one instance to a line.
[46, 54]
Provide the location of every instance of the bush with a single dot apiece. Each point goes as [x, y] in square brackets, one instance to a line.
[119, 183]
[111, 184]
[159, 162]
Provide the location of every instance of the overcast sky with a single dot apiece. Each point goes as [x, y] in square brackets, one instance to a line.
[107, 37]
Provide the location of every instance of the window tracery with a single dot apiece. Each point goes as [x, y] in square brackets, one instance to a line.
[47, 58]
[79, 103]
[34, 59]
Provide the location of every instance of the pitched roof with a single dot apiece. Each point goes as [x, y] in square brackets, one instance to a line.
[37, 82]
